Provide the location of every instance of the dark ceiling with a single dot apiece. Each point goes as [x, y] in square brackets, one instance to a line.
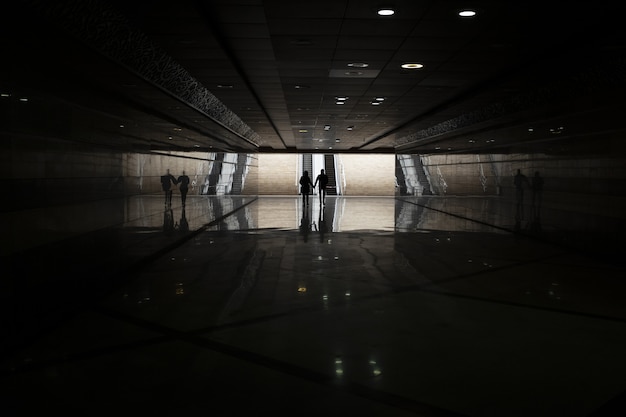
[247, 75]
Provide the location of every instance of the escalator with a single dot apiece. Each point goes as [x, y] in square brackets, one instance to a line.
[329, 170]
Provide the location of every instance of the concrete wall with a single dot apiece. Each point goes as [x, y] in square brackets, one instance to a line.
[365, 175]
[368, 174]
[277, 174]
[461, 174]
[593, 185]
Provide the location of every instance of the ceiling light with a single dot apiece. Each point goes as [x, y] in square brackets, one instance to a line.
[385, 11]
[380, 99]
[224, 86]
[467, 13]
[350, 127]
[341, 98]
[302, 42]
[412, 65]
[375, 103]
[340, 102]
[358, 65]
[327, 127]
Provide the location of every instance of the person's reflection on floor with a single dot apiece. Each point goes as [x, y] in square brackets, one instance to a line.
[322, 226]
[305, 224]
[183, 224]
[168, 221]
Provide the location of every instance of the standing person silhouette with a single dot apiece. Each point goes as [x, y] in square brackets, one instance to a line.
[537, 195]
[167, 181]
[323, 180]
[183, 180]
[519, 180]
[305, 183]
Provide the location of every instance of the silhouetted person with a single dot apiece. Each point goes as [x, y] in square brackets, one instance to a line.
[323, 181]
[167, 181]
[183, 180]
[537, 195]
[519, 180]
[305, 187]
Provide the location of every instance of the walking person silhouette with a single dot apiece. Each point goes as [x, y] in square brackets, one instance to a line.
[537, 195]
[519, 180]
[183, 180]
[167, 181]
[322, 178]
[305, 187]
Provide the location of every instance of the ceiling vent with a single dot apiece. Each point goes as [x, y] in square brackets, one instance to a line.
[353, 73]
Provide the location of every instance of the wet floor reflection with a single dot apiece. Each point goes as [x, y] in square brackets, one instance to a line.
[372, 302]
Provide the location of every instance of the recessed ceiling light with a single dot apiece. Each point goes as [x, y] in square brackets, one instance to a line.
[412, 65]
[380, 99]
[375, 103]
[358, 64]
[467, 13]
[224, 86]
[341, 98]
[340, 103]
[386, 11]
[302, 42]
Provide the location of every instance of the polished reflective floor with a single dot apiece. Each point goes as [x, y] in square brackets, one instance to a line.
[363, 306]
